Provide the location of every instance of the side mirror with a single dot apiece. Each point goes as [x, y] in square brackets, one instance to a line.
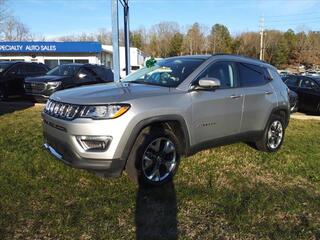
[82, 75]
[207, 84]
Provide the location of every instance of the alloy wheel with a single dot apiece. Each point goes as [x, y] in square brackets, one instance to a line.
[159, 159]
[275, 135]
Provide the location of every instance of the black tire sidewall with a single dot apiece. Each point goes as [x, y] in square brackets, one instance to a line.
[144, 142]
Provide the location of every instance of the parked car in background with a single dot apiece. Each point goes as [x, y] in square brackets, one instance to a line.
[66, 76]
[13, 74]
[308, 90]
[176, 107]
[294, 100]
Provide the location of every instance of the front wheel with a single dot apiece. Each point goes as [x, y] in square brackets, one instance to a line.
[156, 156]
[273, 135]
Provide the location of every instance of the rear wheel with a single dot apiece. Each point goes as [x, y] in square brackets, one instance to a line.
[273, 135]
[154, 158]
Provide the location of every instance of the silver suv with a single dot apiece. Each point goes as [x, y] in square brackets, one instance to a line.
[172, 108]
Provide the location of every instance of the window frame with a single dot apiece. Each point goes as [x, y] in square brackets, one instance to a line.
[264, 71]
[235, 73]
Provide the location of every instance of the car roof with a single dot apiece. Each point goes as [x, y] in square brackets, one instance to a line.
[227, 56]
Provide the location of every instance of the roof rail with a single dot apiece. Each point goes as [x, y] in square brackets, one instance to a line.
[237, 55]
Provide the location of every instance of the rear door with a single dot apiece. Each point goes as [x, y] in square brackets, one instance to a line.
[292, 82]
[15, 76]
[217, 113]
[308, 94]
[259, 96]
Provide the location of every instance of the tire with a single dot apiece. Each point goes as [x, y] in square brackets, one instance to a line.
[273, 135]
[154, 158]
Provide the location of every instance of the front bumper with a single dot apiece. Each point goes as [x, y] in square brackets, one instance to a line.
[60, 141]
[106, 168]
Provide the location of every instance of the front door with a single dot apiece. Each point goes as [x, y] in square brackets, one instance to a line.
[217, 113]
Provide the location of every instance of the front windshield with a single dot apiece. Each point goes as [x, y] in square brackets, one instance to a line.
[4, 66]
[64, 70]
[167, 73]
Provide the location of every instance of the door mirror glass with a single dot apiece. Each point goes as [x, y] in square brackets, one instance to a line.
[209, 83]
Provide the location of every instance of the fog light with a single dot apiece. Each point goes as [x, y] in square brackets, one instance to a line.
[94, 143]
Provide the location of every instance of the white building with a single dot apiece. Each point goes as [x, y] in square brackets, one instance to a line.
[57, 53]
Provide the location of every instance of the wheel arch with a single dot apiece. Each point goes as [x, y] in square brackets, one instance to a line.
[174, 123]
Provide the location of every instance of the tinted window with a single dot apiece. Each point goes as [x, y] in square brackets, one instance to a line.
[64, 70]
[51, 63]
[4, 66]
[307, 83]
[17, 69]
[89, 76]
[223, 71]
[169, 72]
[251, 75]
[103, 73]
[33, 68]
[292, 82]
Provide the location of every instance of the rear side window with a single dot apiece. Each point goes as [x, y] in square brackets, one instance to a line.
[33, 68]
[103, 73]
[292, 82]
[251, 75]
[306, 83]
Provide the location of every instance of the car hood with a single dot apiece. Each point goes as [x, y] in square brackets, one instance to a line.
[47, 78]
[108, 93]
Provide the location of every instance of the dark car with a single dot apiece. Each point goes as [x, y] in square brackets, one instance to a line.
[293, 98]
[66, 76]
[13, 74]
[308, 90]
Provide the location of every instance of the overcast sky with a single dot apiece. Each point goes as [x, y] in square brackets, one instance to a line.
[52, 18]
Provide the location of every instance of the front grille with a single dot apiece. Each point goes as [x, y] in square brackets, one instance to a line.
[35, 87]
[61, 110]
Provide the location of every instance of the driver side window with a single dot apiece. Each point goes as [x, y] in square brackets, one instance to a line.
[223, 71]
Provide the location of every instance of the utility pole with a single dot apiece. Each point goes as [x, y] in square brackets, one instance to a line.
[261, 38]
[126, 34]
[115, 40]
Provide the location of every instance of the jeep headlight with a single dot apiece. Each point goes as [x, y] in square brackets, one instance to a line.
[104, 112]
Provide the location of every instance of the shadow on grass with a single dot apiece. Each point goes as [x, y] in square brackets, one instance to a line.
[12, 106]
[156, 213]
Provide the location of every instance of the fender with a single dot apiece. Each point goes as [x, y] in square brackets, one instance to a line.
[144, 123]
[286, 110]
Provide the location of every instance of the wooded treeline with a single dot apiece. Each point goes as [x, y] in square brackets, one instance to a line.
[167, 39]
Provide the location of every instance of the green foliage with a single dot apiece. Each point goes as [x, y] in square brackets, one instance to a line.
[220, 39]
[150, 62]
[175, 45]
[136, 40]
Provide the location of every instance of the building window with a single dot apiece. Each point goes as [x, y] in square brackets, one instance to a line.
[81, 61]
[51, 63]
[65, 61]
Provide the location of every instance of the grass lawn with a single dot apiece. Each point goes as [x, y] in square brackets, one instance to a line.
[231, 192]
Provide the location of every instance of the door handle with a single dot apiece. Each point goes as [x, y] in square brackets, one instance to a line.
[268, 92]
[235, 96]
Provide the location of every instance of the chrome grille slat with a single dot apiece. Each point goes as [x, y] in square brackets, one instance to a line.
[61, 110]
